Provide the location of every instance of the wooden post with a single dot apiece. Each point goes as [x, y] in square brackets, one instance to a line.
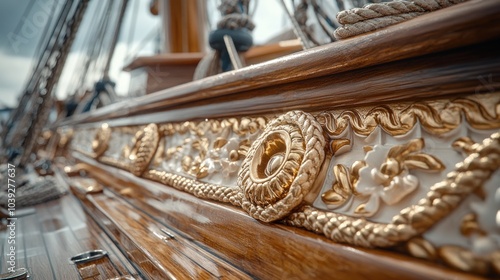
[184, 25]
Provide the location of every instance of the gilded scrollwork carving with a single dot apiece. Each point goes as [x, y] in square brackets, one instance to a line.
[481, 258]
[411, 221]
[287, 157]
[344, 186]
[399, 120]
[421, 248]
[374, 196]
[391, 181]
[208, 148]
[281, 166]
[386, 179]
[101, 140]
[144, 148]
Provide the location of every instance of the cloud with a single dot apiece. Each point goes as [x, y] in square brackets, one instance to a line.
[14, 73]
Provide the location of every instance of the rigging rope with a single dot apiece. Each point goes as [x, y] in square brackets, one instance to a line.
[78, 78]
[375, 16]
[44, 37]
[132, 28]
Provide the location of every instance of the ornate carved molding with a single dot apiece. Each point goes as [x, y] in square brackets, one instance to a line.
[144, 148]
[389, 182]
[411, 221]
[435, 117]
[101, 140]
[281, 166]
[374, 185]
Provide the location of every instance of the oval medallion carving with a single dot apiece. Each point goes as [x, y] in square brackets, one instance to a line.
[101, 140]
[281, 166]
[145, 144]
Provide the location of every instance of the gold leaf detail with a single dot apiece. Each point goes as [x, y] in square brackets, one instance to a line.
[421, 248]
[219, 142]
[356, 166]
[233, 155]
[202, 172]
[337, 144]
[271, 187]
[145, 145]
[469, 225]
[332, 198]
[463, 259]
[244, 146]
[424, 162]
[401, 151]
[186, 163]
[435, 117]
[360, 210]
[281, 166]
[101, 140]
[342, 187]
[442, 198]
[463, 144]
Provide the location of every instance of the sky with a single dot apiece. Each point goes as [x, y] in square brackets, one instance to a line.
[22, 38]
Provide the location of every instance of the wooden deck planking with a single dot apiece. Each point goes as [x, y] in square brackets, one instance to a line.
[59, 241]
[58, 230]
[37, 259]
[20, 247]
[90, 237]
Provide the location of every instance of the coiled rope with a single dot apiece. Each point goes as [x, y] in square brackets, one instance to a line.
[375, 16]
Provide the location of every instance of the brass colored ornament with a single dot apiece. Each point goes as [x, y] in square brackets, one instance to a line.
[392, 179]
[442, 198]
[344, 184]
[145, 144]
[421, 248]
[101, 140]
[434, 117]
[463, 259]
[281, 166]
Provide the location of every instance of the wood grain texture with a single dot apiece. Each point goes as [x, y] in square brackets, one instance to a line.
[58, 230]
[469, 24]
[148, 246]
[265, 251]
[38, 263]
[453, 73]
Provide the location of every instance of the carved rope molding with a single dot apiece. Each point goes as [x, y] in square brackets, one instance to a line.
[411, 221]
[292, 146]
[278, 162]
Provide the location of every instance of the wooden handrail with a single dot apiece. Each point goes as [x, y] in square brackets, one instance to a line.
[462, 25]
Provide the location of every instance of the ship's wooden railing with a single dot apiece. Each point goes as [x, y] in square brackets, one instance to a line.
[265, 171]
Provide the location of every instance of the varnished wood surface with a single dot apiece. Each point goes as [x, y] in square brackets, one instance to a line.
[58, 230]
[266, 251]
[166, 59]
[467, 24]
[256, 54]
[459, 72]
[150, 248]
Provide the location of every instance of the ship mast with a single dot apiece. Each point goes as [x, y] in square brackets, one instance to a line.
[32, 113]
